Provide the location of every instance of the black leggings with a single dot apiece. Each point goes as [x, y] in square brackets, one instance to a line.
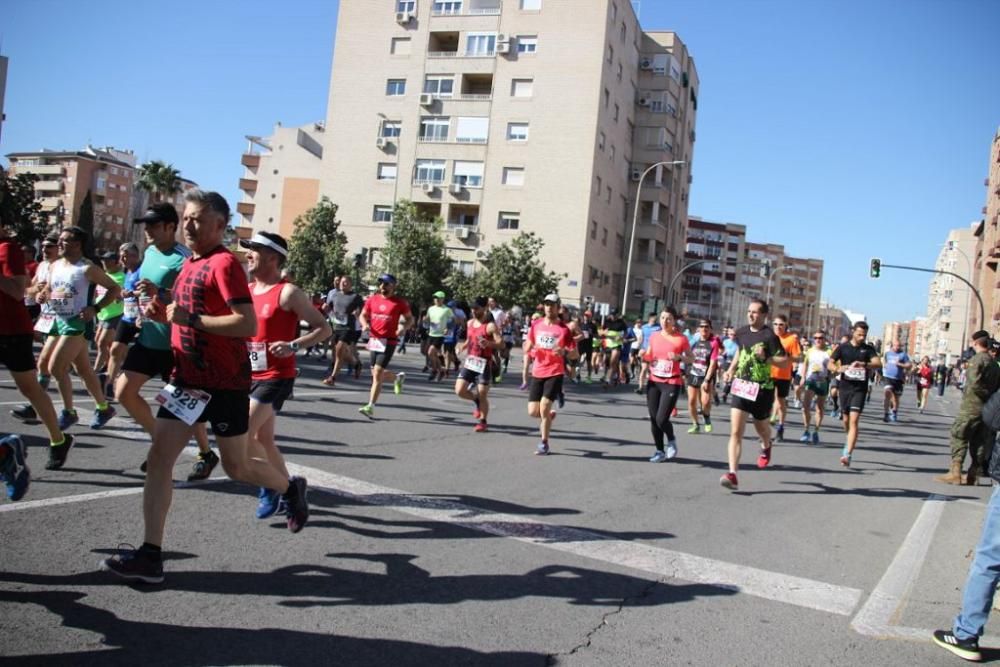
[660, 401]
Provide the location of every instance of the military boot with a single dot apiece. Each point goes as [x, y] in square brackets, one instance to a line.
[953, 476]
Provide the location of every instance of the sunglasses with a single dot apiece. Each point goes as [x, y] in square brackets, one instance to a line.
[779, 324]
[818, 338]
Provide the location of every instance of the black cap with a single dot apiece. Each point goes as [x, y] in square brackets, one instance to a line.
[479, 302]
[51, 240]
[159, 212]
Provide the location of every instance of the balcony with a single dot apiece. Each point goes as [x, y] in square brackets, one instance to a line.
[248, 185]
[250, 160]
[41, 169]
[245, 208]
[461, 10]
[49, 203]
[48, 186]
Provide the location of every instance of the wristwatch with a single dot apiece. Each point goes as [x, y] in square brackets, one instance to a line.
[293, 346]
[194, 319]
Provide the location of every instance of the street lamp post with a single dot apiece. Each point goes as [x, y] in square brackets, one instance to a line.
[635, 219]
[953, 245]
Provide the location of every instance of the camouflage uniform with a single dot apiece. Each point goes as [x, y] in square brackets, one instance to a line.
[968, 432]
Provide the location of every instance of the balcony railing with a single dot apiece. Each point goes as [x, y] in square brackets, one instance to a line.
[461, 11]
[470, 97]
[461, 54]
[433, 140]
[248, 185]
[251, 160]
[428, 181]
[245, 208]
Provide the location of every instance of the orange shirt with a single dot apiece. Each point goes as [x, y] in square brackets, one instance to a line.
[792, 348]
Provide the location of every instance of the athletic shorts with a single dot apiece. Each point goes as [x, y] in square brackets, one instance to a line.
[436, 341]
[149, 362]
[782, 387]
[228, 411]
[549, 388]
[382, 359]
[472, 377]
[349, 336]
[852, 398]
[71, 327]
[449, 347]
[697, 380]
[760, 409]
[126, 332]
[818, 388]
[17, 352]
[896, 386]
[109, 324]
[272, 392]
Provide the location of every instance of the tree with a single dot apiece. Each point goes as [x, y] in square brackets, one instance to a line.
[159, 179]
[86, 219]
[317, 249]
[514, 274]
[415, 254]
[20, 212]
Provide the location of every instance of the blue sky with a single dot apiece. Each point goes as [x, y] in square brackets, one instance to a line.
[843, 130]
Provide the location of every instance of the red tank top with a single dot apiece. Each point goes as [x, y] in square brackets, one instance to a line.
[273, 324]
[476, 333]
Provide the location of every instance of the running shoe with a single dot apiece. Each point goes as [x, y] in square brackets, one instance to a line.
[671, 450]
[267, 503]
[894, 417]
[845, 458]
[58, 453]
[562, 400]
[542, 449]
[203, 466]
[708, 427]
[102, 417]
[658, 457]
[477, 413]
[967, 649]
[25, 413]
[134, 565]
[67, 419]
[815, 437]
[330, 380]
[806, 437]
[885, 417]
[432, 376]
[774, 418]
[524, 386]
[780, 433]
[367, 410]
[498, 379]
[296, 504]
[765, 457]
[397, 385]
[695, 428]
[480, 427]
[15, 471]
[729, 481]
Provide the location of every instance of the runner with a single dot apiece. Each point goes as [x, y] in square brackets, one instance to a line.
[279, 306]
[439, 319]
[212, 315]
[782, 374]
[342, 307]
[500, 319]
[550, 344]
[481, 340]
[585, 346]
[700, 376]
[613, 334]
[752, 387]
[895, 364]
[387, 317]
[817, 386]
[667, 349]
[651, 326]
[108, 319]
[451, 337]
[852, 361]
[730, 349]
[925, 380]
[127, 328]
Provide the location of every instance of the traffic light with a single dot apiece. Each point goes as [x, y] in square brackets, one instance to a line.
[876, 267]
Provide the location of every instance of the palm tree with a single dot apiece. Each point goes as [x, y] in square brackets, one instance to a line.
[159, 179]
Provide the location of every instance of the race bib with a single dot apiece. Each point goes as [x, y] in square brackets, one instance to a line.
[745, 389]
[99, 293]
[663, 368]
[547, 342]
[924, 382]
[376, 344]
[131, 311]
[698, 369]
[45, 322]
[856, 374]
[475, 364]
[61, 304]
[185, 404]
[340, 321]
[258, 355]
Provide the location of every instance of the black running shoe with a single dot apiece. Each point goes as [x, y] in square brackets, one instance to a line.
[296, 504]
[25, 413]
[963, 648]
[134, 565]
[58, 453]
[203, 466]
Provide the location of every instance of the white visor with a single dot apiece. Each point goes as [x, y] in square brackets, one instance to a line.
[258, 239]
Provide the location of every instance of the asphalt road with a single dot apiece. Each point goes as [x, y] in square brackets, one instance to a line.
[431, 544]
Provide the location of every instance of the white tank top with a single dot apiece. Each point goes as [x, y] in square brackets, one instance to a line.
[68, 287]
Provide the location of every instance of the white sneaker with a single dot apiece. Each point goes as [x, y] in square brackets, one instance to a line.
[671, 450]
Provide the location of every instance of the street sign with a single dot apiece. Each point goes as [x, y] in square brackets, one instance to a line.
[602, 309]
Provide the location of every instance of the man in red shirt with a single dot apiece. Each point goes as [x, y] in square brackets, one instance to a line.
[550, 343]
[212, 314]
[381, 317]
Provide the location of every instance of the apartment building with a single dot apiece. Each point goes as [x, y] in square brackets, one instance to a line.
[834, 321]
[711, 286]
[988, 279]
[791, 285]
[907, 333]
[65, 178]
[281, 177]
[948, 326]
[502, 118]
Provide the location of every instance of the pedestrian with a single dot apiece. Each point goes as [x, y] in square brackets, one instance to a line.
[668, 349]
[387, 317]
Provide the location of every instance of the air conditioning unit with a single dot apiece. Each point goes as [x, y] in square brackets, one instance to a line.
[636, 173]
[646, 63]
[501, 38]
[455, 188]
[402, 18]
[462, 232]
[428, 187]
[426, 99]
[503, 47]
[480, 254]
[645, 101]
[381, 142]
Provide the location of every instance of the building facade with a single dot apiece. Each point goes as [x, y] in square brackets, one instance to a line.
[834, 321]
[988, 279]
[502, 118]
[711, 289]
[947, 328]
[791, 285]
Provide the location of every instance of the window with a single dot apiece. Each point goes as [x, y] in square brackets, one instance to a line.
[114, 171]
[386, 171]
[607, 98]
[624, 31]
[611, 54]
[614, 11]
[620, 245]
[434, 128]
[617, 112]
[480, 44]
[469, 174]
[439, 86]
[513, 176]
[619, 71]
[508, 220]
[531, 5]
[599, 185]
[429, 171]
[447, 7]
[400, 46]
[604, 236]
[406, 6]
[382, 214]
[607, 196]
[521, 87]
[600, 141]
[467, 268]
[395, 87]
[517, 131]
[527, 44]
[390, 128]
[593, 230]
[472, 129]
[611, 153]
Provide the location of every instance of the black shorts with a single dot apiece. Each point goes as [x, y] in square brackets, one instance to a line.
[852, 397]
[549, 388]
[698, 380]
[760, 409]
[272, 392]
[472, 377]
[782, 387]
[228, 411]
[436, 341]
[126, 332]
[109, 324]
[896, 386]
[449, 347]
[149, 362]
[349, 336]
[382, 359]
[17, 352]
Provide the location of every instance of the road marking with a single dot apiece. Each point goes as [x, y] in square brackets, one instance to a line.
[98, 495]
[150, 394]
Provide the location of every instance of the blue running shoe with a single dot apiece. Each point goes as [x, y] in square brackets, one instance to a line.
[102, 417]
[658, 457]
[268, 503]
[15, 471]
[815, 437]
[805, 437]
[67, 419]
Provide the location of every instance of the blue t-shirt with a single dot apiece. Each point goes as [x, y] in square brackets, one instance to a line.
[892, 361]
[131, 302]
[647, 334]
[730, 347]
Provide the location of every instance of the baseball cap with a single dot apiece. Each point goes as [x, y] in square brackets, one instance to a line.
[51, 240]
[266, 240]
[439, 294]
[551, 298]
[387, 278]
[159, 212]
[479, 302]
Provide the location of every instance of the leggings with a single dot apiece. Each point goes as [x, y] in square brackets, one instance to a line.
[660, 401]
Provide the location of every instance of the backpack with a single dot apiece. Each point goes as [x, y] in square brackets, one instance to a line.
[991, 412]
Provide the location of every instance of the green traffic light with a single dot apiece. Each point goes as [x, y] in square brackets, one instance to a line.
[876, 267]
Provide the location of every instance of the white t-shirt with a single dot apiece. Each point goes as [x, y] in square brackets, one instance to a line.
[816, 361]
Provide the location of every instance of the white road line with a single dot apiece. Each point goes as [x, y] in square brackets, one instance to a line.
[97, 495]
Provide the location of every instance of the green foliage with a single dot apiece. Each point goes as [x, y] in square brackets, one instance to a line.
[317, 248]
[86, 219]
[20, 212]
[415, 253]
[514, 273]
[159, 179]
